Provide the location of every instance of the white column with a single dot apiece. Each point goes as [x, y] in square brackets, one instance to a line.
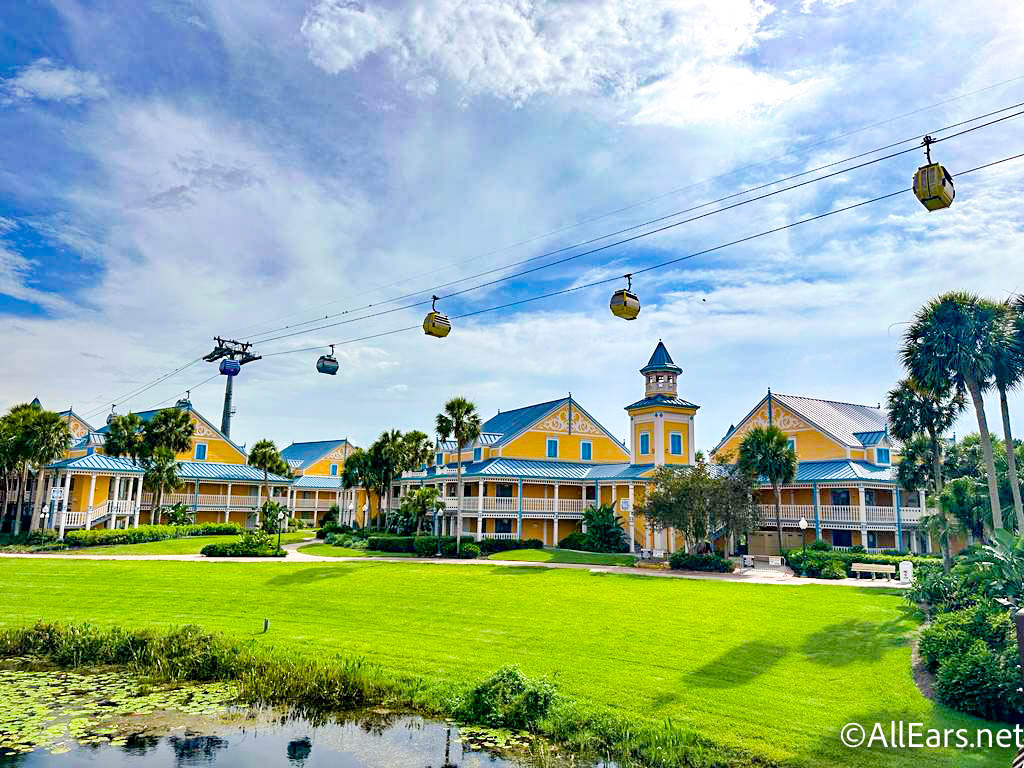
[554, 527]
[480, 510]
[316, 504]
[92, 496]
[659, 439]
[632, 522]
[136, 502]
[921, 494]
[227, 506]
[39, 500]
[689, 441]
[863, 518]
[671, 540]
[117, 494]
[63, 510]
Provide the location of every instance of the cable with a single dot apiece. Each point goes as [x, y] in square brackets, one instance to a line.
[606, 246]
[660, 265]
[638, 226]
[136, 392]
[661, 196]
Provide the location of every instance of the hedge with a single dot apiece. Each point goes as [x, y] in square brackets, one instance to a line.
[99, 537]
[426, 546]
[250, 544]
[490, 546]
[681, 561]
[813, 563]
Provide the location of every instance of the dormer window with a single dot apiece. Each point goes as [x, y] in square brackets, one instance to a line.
[882, 455]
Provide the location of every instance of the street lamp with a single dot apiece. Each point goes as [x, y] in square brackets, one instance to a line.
[803, 539]
[280, 522]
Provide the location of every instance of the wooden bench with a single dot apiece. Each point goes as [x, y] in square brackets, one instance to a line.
[874, 569]
[774, 561]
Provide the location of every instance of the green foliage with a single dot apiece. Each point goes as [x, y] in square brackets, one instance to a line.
[178, 514]
[681, 561]
[161, 473]
[998, 567]
[390, 543]
[965, 501]
[857, 549]
[98, 537]
[490, 546]
[812, 562]
[576, 540]
[469, 551]
[324, 530]
[919, 416]
[426, 546]
[268, 516]
[418, 508]
[509, 699]
[820, 545]
[982, 681]
[416, 449]
[330, 517]
[832, 569]
[940, 592]
[604, 530]
[124, 437]
[255, 543]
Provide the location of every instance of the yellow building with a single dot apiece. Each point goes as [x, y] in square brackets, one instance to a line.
[319, 467]
[534, 469]
[845, 487]
[88, 489]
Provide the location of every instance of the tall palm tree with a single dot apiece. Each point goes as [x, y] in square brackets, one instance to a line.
[916, 410]
[161, 477]
[358, 472]
[8, 464]
[766, 452]
[387, 456]
[951, 343]
[50, 438]
[124, 437]
[460, 420]
[1008, 372]
[264, 456]
[171, 428]
[944, 526]
[36, 437]
[416, 449]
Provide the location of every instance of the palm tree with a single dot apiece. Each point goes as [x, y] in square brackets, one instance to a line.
[944, 527]
[951, 344]
[460, 420]
[124, 437]
[1008, 371]
[161, 476]
[387, 457]
[916, 410]
[416, 449]
[264, 456]
[171, 428]
[50, 438]
[766, 452]
[35, 438]
[358, 473]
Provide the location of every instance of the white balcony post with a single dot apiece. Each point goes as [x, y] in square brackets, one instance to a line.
[39, 501]
[480, 511]
[136, 503]
[92, 496]
[117, 494]
[227, 506]
[923, 500]
[63, 509]
[632, 522]
[554, 536]
[863, 517]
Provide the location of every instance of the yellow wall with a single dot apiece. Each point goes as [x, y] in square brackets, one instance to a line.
[534, 445]
[217, 448]
[811, 444]
[684, 430]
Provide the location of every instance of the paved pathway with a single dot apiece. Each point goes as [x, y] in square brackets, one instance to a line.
[751, 575]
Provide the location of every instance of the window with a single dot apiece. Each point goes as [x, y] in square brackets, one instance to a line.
[675, 444]
[882, 455]
[842, 538]
[645, 443]
[478, 454]
[872, 540]
[840, 497]
[439, 459]
[869, 498]
[504, 490]
[791, 444]
[200, 451]
[503, 526]
[586, 450]
[552, 447]
[334, 470]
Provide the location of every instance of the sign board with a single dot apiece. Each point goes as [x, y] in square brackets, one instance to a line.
[56, 494]
[624, 505]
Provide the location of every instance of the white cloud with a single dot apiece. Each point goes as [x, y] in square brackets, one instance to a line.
[515, 49]
[15, 280]
[46, 81]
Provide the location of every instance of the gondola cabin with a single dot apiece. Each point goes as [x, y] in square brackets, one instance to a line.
[625, 304]
[229, 367]
[437, 324]
[934, 187]
[327, 364]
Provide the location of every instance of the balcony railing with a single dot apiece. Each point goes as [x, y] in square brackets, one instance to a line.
[207, 500]
[840, 515]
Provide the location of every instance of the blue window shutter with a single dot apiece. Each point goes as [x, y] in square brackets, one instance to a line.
[552, 448]
[200, 452]
[586, 451]
[334, 469]
[478, 454]
[645, 442]
[439, 459]
[677, 444]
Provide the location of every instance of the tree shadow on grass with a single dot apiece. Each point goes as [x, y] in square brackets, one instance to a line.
[738, 665]
[314, 574]
[518, 570]
[855, 640]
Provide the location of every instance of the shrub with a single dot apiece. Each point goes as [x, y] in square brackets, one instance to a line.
[858, 549]
[330, 517]
[391, 543]
[820, 545]
[942, 592]
[250, 544]
[178, 514]
[97, 537]
[812, 562]
[490, 546]
[426, 546]
[575, 540]
[952, 634]
[982, 681]
[682, 561]
[833, 569]
[469, 552]
[509, 699]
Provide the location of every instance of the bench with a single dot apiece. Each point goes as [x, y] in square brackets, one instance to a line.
[774, 561]
[874, 569]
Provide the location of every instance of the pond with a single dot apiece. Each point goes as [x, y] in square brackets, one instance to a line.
[111, 719]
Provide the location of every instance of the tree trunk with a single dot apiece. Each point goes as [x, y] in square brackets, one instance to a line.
[947, 557]
[1011, 461]
[21, 500]
[778, 514]
[159, 504]
[936, 461]
[986, 448]
[458, 512]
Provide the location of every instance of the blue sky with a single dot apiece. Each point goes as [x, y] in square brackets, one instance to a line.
[179, 169]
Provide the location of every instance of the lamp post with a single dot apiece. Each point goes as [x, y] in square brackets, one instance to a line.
[803, 540]
[280, 522]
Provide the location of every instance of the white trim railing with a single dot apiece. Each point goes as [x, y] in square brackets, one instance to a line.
[207, 500]
[505, 536]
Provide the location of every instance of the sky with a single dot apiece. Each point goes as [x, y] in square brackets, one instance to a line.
[179, 169]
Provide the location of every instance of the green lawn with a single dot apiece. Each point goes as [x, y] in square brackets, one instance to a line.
[563, 556]
[329, 550]
[777, 669]
[187, 545]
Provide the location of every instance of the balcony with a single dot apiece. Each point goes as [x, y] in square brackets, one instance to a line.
[207, 500]
[840, 516]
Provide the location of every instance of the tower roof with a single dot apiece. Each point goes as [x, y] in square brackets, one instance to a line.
[661, 360]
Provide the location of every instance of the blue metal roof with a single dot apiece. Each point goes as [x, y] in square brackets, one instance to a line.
[309, 453]
[509, 423]
[843, 469]
[661, 360]
[870, 438]
[662, 400]
[553, 470]
[308, 482]
[98, 462]
[210, 470]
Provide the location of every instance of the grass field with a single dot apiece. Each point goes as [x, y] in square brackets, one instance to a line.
[329, 550]
[563, 556]
[776, 669]
[187, 545]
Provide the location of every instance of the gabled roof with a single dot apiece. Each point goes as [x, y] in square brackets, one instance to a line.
[508, 424]
[92, 440]
[841, 420]
[665, 400]
[871, 438]
[148, 416]
[661, 360]
[72, 414]
[301, 455]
